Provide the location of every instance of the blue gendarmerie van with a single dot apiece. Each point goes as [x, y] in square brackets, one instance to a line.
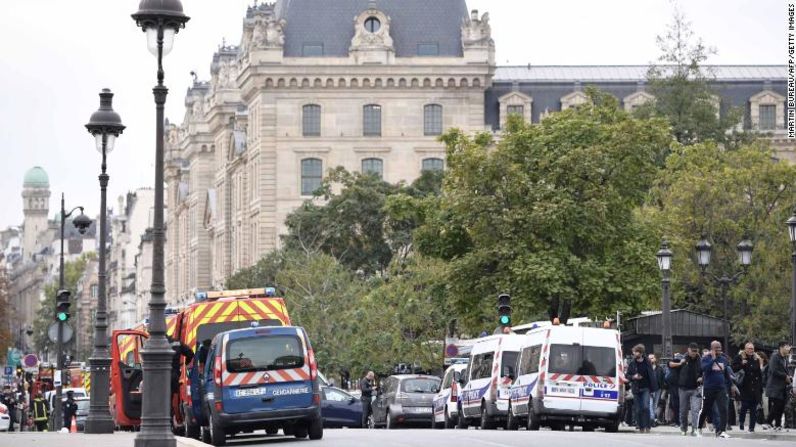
[261, 378]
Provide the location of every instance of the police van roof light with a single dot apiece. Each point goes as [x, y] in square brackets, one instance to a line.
[270, 291]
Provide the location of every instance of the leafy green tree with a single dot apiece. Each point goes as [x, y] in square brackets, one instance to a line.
[548, 214]
[727, 195]
[73, 270]
[681, 84]
[261, 274]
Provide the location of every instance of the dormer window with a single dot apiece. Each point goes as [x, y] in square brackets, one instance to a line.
[372, 24]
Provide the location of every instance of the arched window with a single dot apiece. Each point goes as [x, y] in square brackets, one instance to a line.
[374, 166]
[311, 175]
[432, 119]
[311, 120]
[371, 120]
[433, 164]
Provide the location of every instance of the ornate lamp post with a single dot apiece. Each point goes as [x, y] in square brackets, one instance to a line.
[664, 256]
[81, 222]
[105, 125]
[792, 232]
[724, 281]
[160, 20]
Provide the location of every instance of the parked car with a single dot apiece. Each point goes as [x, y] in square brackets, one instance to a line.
[405, 399]
[340, 409]
[82, 412]
[446, 401]
[5, 419]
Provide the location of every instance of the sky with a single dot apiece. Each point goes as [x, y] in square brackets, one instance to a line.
[57, 55]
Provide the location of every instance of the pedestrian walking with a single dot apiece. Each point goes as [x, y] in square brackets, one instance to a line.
[69, 409]
[366, 386]
[762, 409]
[41, 412]
[672, 380]
[748, 367]
[790, 408]
[778, 385]
[655, 396]
[643, 383]
[714, 389]
[689, 378]
[10, 402]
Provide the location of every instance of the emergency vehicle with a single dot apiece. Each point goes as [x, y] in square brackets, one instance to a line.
[210, 314]
[261, 378]
[484, 397]
[445, 404]
[568, 376]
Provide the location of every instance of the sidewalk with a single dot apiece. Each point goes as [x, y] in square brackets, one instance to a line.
[784, 435]
[48, 439]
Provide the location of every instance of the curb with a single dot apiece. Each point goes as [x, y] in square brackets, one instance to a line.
[189, 442]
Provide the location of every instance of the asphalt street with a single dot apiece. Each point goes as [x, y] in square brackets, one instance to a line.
[500, 438]
[665, 436]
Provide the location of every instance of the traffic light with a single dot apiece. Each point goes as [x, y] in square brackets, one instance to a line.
[504, 310]
[62, 305]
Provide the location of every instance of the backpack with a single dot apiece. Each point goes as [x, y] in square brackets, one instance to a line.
[671, 376]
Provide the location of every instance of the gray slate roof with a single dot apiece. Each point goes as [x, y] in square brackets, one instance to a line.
[331, 23]
[620, 73]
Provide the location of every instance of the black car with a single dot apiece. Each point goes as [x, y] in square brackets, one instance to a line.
[405, 399]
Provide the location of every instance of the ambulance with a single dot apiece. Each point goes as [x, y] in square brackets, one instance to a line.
[568, 376]
[484, 395]
[195, 324]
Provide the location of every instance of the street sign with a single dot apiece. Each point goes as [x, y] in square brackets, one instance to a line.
[30, 362]
[8, 371]
[57, 378]
[52, 332]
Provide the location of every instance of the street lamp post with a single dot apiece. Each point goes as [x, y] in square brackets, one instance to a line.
[792, 233]
[160, 20]
[664, 256]
[704, 250]
[81, 222]
[105, 125]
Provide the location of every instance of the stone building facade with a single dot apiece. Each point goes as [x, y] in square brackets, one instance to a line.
[367, 86]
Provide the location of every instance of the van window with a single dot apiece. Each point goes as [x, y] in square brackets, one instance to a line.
[530, 360]
[583, 360]
[209, 330]
[598, 361]
[482, 365]
[509, 359]
[263, 354]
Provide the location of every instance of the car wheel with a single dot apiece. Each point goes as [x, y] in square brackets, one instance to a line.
[587, 427]
[301, 431]
[487, 423]
[270, 431]
[533, 420]
[389, 424]
[447, 422]
[205, 434]
[371, 422]
[288, 429]
[316, 428]
[613, 427]
[558, 426]
[511, 421]
[217, 436]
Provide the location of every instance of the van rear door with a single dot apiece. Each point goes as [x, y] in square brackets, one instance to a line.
[562, 390]
[265, 369]
[600, 357]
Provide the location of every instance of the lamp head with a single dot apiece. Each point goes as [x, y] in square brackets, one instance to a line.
[105, 124]
[664, 256]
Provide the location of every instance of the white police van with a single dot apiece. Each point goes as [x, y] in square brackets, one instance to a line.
[261, 378]
[568, 376]
[484, 398]
[445, 403]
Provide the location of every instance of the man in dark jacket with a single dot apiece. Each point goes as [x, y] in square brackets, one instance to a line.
[689, 377]
[366, 385]
[69, 409]
[750, 366]
[655, 396]
[778, 385]
[714, 390]
[41, 412]
[643, 383]
[10, 401]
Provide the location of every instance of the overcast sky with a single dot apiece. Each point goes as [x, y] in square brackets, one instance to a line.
[57, 55]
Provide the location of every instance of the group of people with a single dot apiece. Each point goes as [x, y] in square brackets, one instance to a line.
[35, 415]
[705, 387]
